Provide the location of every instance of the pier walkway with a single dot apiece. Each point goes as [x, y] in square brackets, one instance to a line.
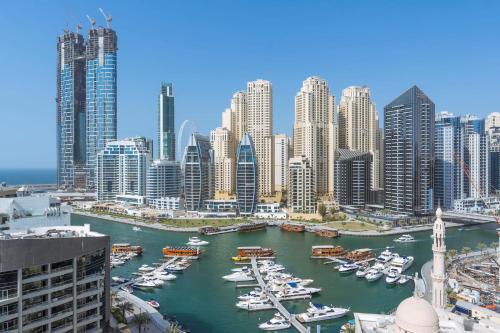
[295, 323]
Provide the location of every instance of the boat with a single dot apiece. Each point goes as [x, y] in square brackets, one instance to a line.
[386, 256]
[165, 276]
[154, 303]
[401, 264]
[144, 285]
[136, 229]
[126, 248]
[255, 305]
[328, 232]
[362, 271]
[322, 251]
[127, 289]
[348, 267]
[252, 226]
[241, 269]
[256, 293]
[295, 291]
[406, 238]
[392, 277]
[403, 279]
[118, 279]
[238, 277]
[254, 251]
[348, 326]
[359, 255]
[278, 322]
[146, 269]
[208, 230]
[271, 268]
[195, 241]
[293, 227]
[181, 251]
[373, 275]
[318, 312]
[176, 268]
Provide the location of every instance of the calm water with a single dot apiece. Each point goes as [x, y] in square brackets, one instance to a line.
[205, 303]
[28, 176]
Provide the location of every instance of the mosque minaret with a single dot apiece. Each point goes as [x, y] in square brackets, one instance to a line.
[438, 267]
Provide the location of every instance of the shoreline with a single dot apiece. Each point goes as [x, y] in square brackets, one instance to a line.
[309, 227]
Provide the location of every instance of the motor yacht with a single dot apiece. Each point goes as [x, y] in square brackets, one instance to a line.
[127, 289]
[373, 275]
[278, 322]
[195, 241]
[165, 276]
[241, 269]
[401, 264]
[318, 312]
[348, 267]
[255, 305]
[146, 268]
[238, 277]
[405, 239]
[362, 271]
[295, 291]
[271, 268]
[154, 303]
[256, 293]
[392, 277]
[144, 285]
[403, 279]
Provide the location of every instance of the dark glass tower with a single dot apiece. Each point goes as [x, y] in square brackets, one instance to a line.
[246, 176]
[409, 153]
[71, 135]
[166, 131]
[353, 177]
[101, 101]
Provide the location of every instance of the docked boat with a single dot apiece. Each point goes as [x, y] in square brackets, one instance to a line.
[319, 312]
[401, 264]
[246, 252]
[359, 255]
[256, 293]
[322, 251]
[255, 305]
[373, 275]
[271, 268]
[181, 251]
[328, 232]
[406, 238]
[144, 285]
[154, 303]
[127, 289]
[348, 267]
[278, 322]
[245, 269]
[118, 279]
[295, 291]
[293, 227]
[165, 276]
[136, 229]
[392, 277]
[403, 279]
[238, 277]
[362, 271]
[146, 269]
[252, 226]
[208, 230]
[195, 241]
[126, 248]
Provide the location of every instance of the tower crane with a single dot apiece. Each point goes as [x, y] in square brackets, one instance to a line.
[78, 27]
[91, 21]
[107, 18]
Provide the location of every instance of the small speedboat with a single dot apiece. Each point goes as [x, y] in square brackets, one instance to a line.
[146, 268]
[144, 285]
[405, 239]
[136, 229]
[154, 303]
[373, 275]
[195, 241]
[403, 279]
[392, 277]
[278, 322]
[165, 276]
[255, 305]
[318, 312]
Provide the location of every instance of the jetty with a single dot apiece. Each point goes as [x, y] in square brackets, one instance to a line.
[295, 323]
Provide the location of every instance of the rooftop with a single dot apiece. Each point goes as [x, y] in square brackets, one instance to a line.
[52, 232]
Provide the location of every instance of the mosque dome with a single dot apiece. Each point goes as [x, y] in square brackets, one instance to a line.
[416, 315]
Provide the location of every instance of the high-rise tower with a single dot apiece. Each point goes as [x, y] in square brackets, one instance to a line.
[247, 176]
[438, 265]
[166, 130]
[71, 122]
[101, 100]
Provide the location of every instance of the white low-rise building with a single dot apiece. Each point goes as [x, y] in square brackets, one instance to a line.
[131, 200]
[270, 211]
[476, 205]
[168, 203]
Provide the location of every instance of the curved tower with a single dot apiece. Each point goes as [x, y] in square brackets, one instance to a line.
[247, 176]
[438, 267]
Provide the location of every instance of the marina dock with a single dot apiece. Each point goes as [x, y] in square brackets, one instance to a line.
[295, 323]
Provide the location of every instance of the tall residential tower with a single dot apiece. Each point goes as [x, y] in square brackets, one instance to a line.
[166, 131]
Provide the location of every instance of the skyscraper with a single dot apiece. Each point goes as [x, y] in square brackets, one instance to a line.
[71, 122]
[198, 172]
[166, 123]
[409, 153]
[239, 115]
[314, 120]
[259, 99]
[476, 157]
[247, 176]
[101, 100]
[359, 125]
[301, 187]
[353, 179]
[493, 131]
[164, 180]
[281, 157]
[221, 140]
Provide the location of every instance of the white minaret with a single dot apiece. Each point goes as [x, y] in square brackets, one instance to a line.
[438, 267]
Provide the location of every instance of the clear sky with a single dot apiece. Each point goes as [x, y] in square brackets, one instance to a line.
[210, 49]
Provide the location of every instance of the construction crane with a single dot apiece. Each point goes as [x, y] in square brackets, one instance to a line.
[91, 21]
[107, 18]
[78, 27]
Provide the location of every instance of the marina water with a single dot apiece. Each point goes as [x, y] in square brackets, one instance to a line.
[204, 302]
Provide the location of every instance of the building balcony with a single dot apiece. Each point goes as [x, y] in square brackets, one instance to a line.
[8, 315]
[35, 307]
[66, 327]
[89, 306]
[35, 323]
[89, 319]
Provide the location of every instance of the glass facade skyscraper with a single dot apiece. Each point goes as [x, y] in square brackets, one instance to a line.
[409, 153]
[163, 180]
[247, 176]
[101, 100]
[166, 130]
[71, 122]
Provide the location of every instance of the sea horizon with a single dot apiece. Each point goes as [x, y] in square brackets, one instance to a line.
[25, 176]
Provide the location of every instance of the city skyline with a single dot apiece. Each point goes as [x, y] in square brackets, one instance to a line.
[453, 85]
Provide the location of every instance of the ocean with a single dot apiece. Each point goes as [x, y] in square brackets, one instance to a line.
[28, 176]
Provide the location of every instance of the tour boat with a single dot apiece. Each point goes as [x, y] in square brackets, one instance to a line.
[348, 267]
[405, 239]
[392, 277]
[318, 312]
[293, 227]
[238, 277]
[373, 275]
[359, 255]
[136, 229]
[154, 303]
[330, 233]
[278, 322]
[182, 251]
[401, 264]
[321, 251]
[252, 226]
[195, 241]
[255, 305]
[146, 269]
[126, 248]
[254, 251]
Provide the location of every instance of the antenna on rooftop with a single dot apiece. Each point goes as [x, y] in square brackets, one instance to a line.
[107, 18]
[91, 20]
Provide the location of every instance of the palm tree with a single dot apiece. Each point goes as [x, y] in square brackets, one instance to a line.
[481, 247]
[140, 320]
[466, 250]
[125, 307]
[494, 245]
[452, 254]
[174, 328]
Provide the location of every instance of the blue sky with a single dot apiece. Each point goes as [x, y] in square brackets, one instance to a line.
[210, 49]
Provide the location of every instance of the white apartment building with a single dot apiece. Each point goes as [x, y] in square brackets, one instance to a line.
[281, 157]
[301, 187]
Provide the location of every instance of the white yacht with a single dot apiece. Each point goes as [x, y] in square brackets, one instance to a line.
[144, 285]
[136, 229]
[256, 293]
[318, 312]
[241, 269]
[255, 305]
[238, 277]
[406, 238]
[165, 276]
[403, 279]
[278, 322]
[195, 241]
[118, 279]
[146, 269]
[392, 277]
[373, 275]
[401, 264]
[348, 267]
[271, 268]
[295, 291]
[362, 271]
